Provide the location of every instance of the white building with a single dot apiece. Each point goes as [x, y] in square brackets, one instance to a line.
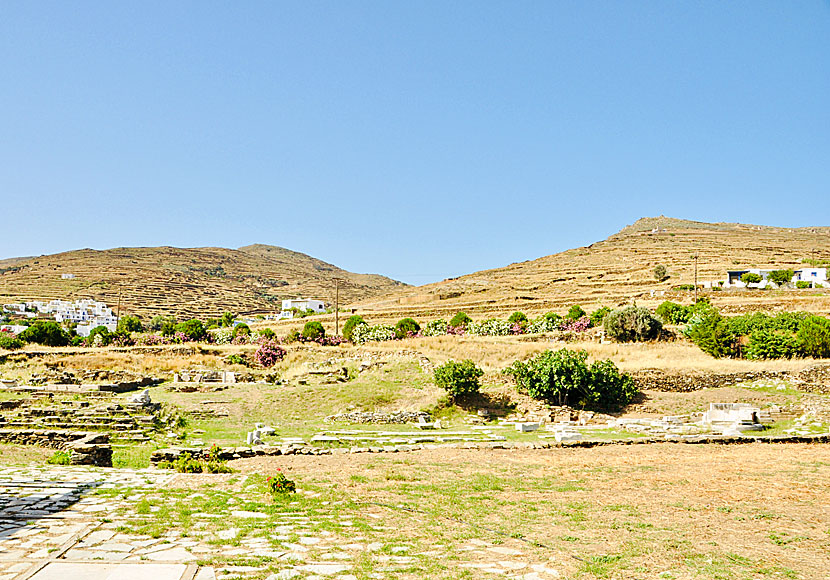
[818, 276]
[13, 328]
[303, 304]
[67, 276]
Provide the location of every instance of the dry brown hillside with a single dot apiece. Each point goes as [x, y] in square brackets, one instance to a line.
[186, 281]
[620, 269]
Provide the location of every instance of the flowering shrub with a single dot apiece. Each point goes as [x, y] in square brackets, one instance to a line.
[365, 333]
[329, 340]
[491, 327]
[435, 328]
[517, 328]
[545, 323]
[241, 339]
[153, 340]
[456, 330]
[222, 336]
[269, 353]
[121, 339]
[579, 325]
[279, 484]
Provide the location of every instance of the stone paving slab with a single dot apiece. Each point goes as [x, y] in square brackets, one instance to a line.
[110, 571]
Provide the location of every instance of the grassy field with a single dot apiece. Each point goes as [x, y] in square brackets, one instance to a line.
[659, 511]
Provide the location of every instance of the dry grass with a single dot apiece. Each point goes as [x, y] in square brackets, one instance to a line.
[495, 353]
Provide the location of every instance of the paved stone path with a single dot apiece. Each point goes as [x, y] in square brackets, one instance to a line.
[54, 526]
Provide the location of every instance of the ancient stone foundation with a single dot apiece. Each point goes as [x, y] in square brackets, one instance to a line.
[84, 448]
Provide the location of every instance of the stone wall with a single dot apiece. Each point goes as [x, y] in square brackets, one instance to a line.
[229, 453]
[84, 448]
[364, 417]
[814, 379]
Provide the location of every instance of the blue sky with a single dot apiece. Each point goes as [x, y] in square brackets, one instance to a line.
[420, 140]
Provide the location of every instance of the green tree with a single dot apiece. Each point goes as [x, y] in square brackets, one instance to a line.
[164, 324]
[193, 329]
[713, 335]
[660, 272]
[351, 323]
[129, 324]
[313, 330]
[782, 277]
[458, 378]
[103, 332]
[814, 336]
[405, 327]
[460, 320]
[45, 332]
[519, 317]
[632, 324]
[575, 312]
[227, 319]
[751, 278]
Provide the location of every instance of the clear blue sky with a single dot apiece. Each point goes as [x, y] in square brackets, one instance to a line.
[419, 140]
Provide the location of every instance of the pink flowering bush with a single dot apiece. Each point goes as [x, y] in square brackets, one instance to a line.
[579, 325]
[517, 328]
[269, 353]
[456, 330]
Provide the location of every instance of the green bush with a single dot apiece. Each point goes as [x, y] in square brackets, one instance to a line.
[166, 325]
[9, 341]
[563, 377]
[405, 326]
[803, 284]
[751, 278]
[713, 336]
[292, 336]
[673, 313]
[241, 329]
[781, 277]
[814, 337]
[353, 321]
[518, 317]
[129, 324]
[268, 333]
[313, 330]
[59, 458]
[598, 315]
[772, 344]
[46, 333]
[187, 464]
[236, 359]
[193, 329]
[460, 320]
[227, 319]
[99, 331]
[458, 378]
[632, 324]
[575, 312]
[660, 273]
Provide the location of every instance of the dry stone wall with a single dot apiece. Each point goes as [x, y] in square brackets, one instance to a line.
[84, 448]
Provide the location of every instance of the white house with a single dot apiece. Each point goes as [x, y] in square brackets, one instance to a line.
[317, 306]
[67, 276]
[13, 328]
[818, 276]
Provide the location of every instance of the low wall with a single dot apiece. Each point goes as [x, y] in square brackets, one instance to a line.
[229, 453]
[84, 448]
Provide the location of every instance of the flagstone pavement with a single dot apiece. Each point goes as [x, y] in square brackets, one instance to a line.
[53, 527]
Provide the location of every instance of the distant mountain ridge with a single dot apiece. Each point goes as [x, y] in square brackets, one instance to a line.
[616, 270]
[186, 281]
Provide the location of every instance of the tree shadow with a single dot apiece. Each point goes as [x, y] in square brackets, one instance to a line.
[25, 501]
[495, 404]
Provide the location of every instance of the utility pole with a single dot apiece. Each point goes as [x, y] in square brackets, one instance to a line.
[118, 316]
[337, 307]
[695, 257]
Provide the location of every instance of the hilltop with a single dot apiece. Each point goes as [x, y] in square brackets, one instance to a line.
[620, 269]
[186, 281]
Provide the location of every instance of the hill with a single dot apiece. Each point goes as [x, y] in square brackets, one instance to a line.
[620, 269]
[186, 281]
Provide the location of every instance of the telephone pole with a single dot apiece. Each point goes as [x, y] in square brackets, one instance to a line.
[337, 307]
[695, 257]
[118, 316]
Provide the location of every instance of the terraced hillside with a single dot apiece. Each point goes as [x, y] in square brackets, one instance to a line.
[620, 269]
[186, 281]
